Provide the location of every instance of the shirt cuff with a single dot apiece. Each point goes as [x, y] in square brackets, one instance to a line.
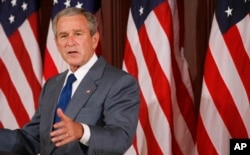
[86, 135]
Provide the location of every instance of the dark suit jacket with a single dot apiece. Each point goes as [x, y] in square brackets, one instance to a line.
[107, 100]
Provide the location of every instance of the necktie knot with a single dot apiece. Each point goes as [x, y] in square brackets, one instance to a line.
[71, 79]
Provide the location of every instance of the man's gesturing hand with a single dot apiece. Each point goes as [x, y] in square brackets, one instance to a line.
[66, 130]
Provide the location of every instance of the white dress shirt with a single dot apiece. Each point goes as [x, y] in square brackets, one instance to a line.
[80, 74]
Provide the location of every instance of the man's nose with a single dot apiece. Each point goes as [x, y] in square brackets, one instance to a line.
[70, 41]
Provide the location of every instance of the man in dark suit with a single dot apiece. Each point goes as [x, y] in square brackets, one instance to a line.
[102, 115]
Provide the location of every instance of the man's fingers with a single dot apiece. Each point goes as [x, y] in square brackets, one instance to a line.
[64, 119]
[64, 141]
[61, 115]
[61, 139]
[66, 130]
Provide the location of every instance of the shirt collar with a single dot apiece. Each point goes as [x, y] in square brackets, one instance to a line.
[80, 72]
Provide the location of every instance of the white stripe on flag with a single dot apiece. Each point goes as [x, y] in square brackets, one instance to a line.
[243, 27]
[32, 47]
[156, 115]
[229, 73]
[160, 43]
[213, 123]
[16, 74]
[6, 115]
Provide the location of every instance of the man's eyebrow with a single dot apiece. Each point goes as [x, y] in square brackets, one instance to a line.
[76, 30]
[62, 32]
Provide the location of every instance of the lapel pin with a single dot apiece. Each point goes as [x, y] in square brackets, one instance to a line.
[88, 91]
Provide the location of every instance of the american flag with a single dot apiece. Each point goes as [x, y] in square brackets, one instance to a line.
[225, 99]
[154, 55]
[53, 62]
[20, 62]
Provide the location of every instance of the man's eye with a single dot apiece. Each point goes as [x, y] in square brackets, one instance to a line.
[63, 36]
[78, 34]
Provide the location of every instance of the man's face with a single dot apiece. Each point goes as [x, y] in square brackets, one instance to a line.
[74, 41]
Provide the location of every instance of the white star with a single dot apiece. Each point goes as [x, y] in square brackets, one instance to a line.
[141, 10]
[24, 6]
[67, 3]
[55, 2]
[12, 19]
[229, 12]
[13, 2]
[79, 5]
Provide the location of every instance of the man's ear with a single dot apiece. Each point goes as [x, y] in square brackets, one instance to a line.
[55, 39]
[95, 40]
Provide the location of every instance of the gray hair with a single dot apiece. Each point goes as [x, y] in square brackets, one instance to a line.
[92, 21]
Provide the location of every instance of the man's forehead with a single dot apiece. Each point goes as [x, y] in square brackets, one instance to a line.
[69, 31]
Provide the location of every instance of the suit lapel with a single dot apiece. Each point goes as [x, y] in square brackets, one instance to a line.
[58, 84]
[87, 86]
[80, 98]
[54, 99]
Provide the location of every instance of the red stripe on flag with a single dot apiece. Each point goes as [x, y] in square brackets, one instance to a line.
[239, 56]
[164, 90]
[176, 147]
[26, 64]
[223, 99]
[14, 100]
[184, 99]
[33, 20]
[167, 18]
[49, 66]
[130, 60]
[204, 144]
[159, 80]
[152, 145]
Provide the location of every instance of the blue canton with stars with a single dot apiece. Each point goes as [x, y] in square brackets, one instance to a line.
[141, 8]
[89, 5]
[14, 12]
[230, 12]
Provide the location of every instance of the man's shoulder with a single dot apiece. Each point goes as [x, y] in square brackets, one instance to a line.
[59, 76]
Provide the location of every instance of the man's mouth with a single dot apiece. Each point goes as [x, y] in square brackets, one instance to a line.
[70, 52]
